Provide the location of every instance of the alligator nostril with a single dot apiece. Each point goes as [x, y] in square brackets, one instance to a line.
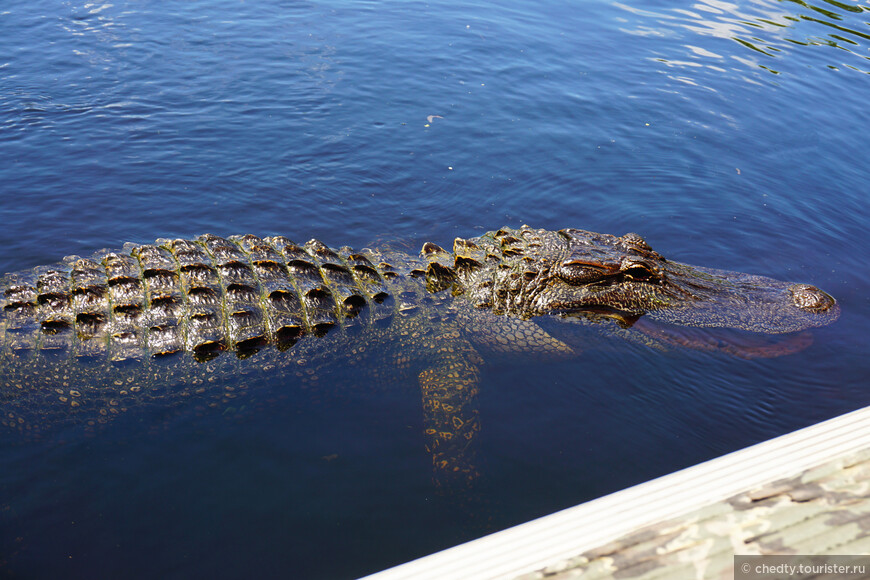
[810, 298]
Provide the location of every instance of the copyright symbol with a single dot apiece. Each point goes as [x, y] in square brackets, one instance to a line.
[746, 567]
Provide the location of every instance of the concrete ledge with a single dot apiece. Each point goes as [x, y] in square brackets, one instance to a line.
[559, 541]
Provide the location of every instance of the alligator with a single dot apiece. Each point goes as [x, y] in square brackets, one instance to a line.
[90, 338]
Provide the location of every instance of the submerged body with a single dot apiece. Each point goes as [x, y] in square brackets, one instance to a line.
[90, 338]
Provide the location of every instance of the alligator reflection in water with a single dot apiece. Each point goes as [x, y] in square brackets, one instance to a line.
[90, 338]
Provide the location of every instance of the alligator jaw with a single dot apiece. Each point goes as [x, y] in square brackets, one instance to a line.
[719, 298]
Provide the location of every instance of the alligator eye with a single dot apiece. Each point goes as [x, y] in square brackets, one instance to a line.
[577, 274]
[635, 269]
[639, 273]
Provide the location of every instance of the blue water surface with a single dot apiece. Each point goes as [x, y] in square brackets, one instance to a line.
[730, 135]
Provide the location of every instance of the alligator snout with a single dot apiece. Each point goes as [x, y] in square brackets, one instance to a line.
[810, 298]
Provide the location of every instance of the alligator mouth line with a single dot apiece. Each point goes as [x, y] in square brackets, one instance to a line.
[735, 342]
[624, 318]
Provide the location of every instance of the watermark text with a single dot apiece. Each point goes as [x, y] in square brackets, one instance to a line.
[798, 566]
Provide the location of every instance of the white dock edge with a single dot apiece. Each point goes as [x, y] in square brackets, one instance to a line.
[567, 533]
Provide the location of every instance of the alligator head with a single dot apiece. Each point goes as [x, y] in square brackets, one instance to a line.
[573, 272]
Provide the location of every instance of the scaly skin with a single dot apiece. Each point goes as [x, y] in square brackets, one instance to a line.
[90, 338]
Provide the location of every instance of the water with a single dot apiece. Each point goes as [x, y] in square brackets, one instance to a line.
[730, 135]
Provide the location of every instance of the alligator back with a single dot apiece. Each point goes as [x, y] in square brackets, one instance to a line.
[200, 296]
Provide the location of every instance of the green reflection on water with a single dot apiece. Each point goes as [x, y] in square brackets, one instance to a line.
[773, 29]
